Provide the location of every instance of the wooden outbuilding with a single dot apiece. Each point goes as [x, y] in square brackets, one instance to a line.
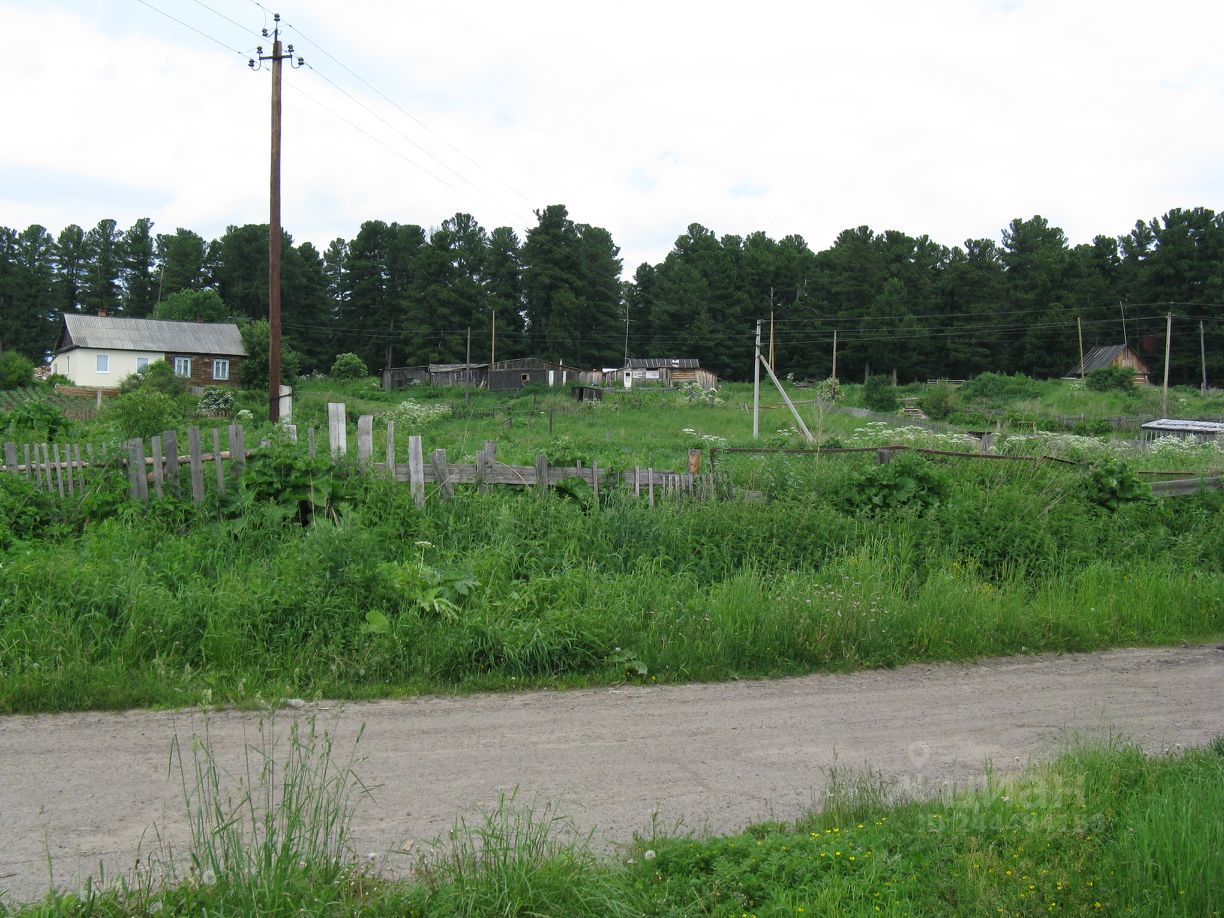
[1113, 355]
[662, 371]
[506, 375]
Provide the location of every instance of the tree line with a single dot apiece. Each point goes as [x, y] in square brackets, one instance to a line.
[401, 294]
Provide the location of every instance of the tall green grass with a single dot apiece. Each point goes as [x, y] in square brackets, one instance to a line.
[173, 604]
[1104, 829]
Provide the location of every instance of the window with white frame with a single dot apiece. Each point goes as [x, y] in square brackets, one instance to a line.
[142, 364]
[182, 366]
[220, 369]
[103, 363]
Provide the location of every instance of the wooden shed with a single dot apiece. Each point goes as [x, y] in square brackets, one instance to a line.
[1113, 355]
[436, 374]
[663, 371]
[505, 375]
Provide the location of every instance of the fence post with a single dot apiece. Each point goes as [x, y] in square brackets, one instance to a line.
[46, 463]
[59, 472]
[365, 440]
[391, 449]
[80, 466]
[10, 456]
[195, 458]
[237, 445]
[170, 439]
[884, 456]
[441, 470]
[218, 468]
[337, 435]
[139, 484]
[650, 486]
[541, 470]
[28, 467]
[595, 482]
[694, 461]
[159, 470]
[416, 470]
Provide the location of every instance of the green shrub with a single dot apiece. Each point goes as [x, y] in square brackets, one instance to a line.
[939, 400]
[1000, 386]
[349, 366]
[909, 480]
[1110, 483]
[1092, 427]
[143, 413]
[216, 400]
[157, 377]
[1107, 379]
[879, 394]
[253, 373]
[16, 370]
[33, 417]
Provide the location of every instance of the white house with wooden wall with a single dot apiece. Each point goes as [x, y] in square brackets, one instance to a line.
[97, 352]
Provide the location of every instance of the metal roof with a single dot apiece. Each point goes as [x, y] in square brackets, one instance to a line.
[654, 363]
[1100, 358]
[116, 334]
[1177, 424]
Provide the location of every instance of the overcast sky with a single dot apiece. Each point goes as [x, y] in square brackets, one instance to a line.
[943, 117]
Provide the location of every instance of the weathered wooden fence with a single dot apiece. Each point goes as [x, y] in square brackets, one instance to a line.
[156, 468]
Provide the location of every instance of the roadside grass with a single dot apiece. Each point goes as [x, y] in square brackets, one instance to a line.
[1103, 829]
[174, 605]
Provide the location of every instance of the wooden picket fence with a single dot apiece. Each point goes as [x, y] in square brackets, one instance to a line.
[155, 469]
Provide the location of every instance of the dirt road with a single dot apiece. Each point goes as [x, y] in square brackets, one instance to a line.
[79, 790]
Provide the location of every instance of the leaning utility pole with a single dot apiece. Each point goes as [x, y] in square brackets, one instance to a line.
[1079, 327]
[1164, 399]
[1203, 355]
[756, 384]
[274, 217]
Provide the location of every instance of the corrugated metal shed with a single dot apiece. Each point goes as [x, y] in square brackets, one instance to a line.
[1177, 425]
[654, 363]
[111, 333]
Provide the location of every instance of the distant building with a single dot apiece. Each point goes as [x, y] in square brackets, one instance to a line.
[502, 376]
[661, 371]
[1201, 431]
[97, 352]
[1113, 355]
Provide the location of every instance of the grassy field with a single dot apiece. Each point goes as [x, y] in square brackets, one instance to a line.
[1101, 830]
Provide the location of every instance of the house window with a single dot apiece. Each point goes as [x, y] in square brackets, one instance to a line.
[526, 377]
[142, 364]
[220, 369]
[182, 366]
[104, 363]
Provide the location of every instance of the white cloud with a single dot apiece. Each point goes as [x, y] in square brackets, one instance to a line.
[947, 118]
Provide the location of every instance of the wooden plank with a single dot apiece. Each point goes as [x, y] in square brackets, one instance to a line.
[195, 458]
[441, 471]
[482, 463]
[311, 445]
[650, 486]
[291, 429]
[46, 464]
[218, 466]
[68, 470]
[174, 481]
[416, 470]
[238, 456]
[595, 482]
[76, 449]
[59, 470]
[1186, 487]
[138, 484]
[159, 471]
[390, 445]
[541, 471]
[10, 456]
[29, 472]
[337, 433]
[637, 482]
[365, 440]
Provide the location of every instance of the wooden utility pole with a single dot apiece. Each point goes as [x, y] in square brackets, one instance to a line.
[1079, 327]
[274, 215]
[1203, 355]
[493, 342]
[1164, 399]
[834, 373]
[756, 384]
[771, 328]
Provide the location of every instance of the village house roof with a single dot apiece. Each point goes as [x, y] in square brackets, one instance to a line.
[119, 334]
[654, 363]
[1100, 358]
[1178, 425]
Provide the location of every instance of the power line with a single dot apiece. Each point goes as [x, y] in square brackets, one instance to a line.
[401, 109]
[192, 28]
[423, 149]
[226, 18]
